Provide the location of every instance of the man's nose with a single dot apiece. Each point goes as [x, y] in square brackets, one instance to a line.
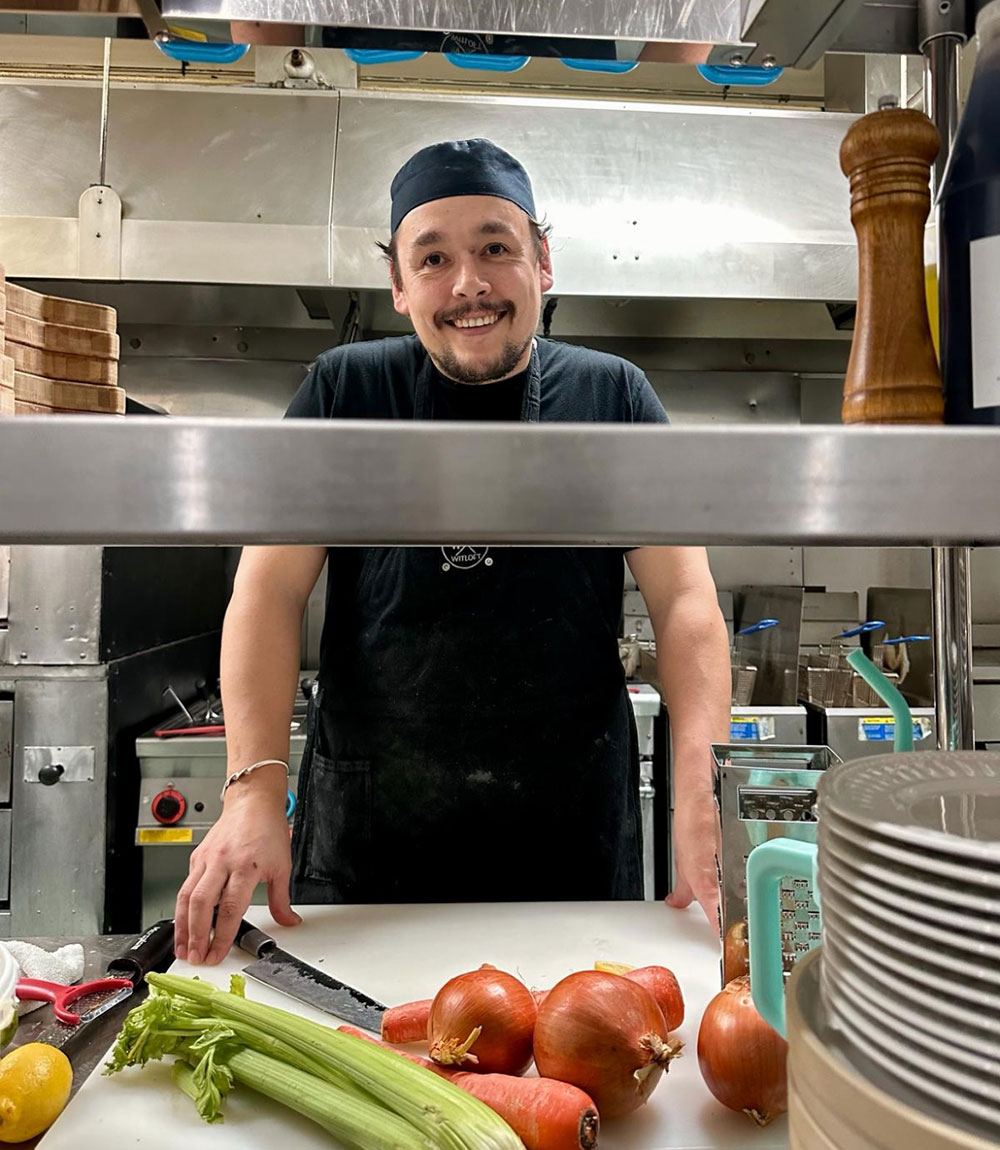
[470, 281]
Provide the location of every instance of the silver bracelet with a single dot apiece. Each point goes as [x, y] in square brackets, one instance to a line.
[243, 771]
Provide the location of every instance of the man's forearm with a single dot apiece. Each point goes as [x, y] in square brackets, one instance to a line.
[261, 649]
[692, 654]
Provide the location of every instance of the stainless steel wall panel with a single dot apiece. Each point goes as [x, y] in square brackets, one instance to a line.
[222, 185]
[647, 200]
[711, 21]
[40, 245]
[58, 844]
[6, 746]
[55, 603]
[255, 157]
[38, 124]
[200, 252]
[5, 829]
[4, 582]
[402, 482]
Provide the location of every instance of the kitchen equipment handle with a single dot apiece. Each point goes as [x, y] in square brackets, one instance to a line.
[193, 52]
[486, 63]
[871, 625]
[152, 950]
[728, 75]
[888, 692]
[253, 940]
[767, 866]
[762, 625]
[906, 639]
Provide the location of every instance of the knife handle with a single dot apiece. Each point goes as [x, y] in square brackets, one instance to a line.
[253, 940]
[152, 950]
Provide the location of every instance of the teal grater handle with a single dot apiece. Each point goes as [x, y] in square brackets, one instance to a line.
[767, 865]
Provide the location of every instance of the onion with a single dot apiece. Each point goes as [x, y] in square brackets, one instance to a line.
[606, 1035]
[736, 953]
[488, 1010]
[742, 1059]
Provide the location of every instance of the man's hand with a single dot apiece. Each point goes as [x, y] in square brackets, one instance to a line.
[249, 844]
[697, 842]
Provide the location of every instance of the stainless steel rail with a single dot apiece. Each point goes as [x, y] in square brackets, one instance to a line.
[942, 35]
[107, 480]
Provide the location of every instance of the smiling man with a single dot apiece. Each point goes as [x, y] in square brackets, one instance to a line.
[471, 738]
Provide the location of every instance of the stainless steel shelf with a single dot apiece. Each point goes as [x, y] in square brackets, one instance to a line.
[65, 479]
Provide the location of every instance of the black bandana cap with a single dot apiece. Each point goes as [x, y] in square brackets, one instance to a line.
[459, 168]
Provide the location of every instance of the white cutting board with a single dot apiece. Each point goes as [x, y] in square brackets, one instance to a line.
[399, 953]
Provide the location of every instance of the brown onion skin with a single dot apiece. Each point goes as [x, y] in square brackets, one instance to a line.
[588, 1032]
[742, 1059]
[501, 1005]
[736, 953]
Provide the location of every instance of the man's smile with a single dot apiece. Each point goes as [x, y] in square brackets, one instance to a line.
[478, 321]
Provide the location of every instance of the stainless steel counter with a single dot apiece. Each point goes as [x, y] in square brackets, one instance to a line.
[106, 480]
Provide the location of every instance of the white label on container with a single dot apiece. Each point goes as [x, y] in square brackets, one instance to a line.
[984, 276]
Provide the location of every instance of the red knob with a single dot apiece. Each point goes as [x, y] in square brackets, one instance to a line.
[168, 806]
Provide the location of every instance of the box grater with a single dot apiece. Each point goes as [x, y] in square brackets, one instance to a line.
[767, 791]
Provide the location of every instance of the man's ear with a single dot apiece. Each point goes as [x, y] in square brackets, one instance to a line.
[398, 293]
[545, 267]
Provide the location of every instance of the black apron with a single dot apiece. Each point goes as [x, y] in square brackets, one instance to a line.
[471, 738]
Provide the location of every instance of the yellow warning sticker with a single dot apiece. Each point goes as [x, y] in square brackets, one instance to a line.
[165, 835]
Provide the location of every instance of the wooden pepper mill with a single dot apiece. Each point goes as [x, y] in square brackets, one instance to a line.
[892, 375]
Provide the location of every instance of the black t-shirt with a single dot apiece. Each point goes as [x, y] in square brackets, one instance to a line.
[502, 400]
[376, 379]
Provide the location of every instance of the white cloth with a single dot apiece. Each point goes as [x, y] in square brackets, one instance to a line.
[64, 965]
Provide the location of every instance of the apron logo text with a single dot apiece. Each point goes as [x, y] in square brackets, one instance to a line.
[464, 558]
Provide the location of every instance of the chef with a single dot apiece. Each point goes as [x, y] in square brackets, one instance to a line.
[471, 738]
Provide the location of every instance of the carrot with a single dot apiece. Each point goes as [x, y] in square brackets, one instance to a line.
[663, 986]
[406, 1023]
[543, 1113]
[659, 981]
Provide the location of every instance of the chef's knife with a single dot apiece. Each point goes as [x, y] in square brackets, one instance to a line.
[283, 971]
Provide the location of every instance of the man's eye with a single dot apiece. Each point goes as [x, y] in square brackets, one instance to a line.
[496, 249]
[433, 260]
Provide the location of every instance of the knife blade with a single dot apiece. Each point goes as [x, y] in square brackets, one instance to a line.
[290, 975]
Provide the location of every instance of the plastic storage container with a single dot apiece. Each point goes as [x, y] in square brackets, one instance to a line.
[9, 974]
[970, 223]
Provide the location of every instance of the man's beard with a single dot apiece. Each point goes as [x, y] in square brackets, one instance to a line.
[506, 362]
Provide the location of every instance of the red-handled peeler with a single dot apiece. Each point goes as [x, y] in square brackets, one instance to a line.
[62, 997]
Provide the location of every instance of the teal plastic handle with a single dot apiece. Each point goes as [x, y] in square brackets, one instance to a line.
[767, 865]
[889, 694]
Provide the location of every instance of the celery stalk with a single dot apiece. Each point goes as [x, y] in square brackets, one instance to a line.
[452, 1119]
[361, 1124]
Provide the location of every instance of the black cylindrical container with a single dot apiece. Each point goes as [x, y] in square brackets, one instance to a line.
[969, 274]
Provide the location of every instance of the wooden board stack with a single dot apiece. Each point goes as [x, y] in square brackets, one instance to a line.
[6, 364]
[59, 355]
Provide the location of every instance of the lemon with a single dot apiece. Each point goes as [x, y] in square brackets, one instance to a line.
[35, 1081]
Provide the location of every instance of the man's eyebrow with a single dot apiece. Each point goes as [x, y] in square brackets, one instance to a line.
[488, 228]
[496, 228]
[427, 239]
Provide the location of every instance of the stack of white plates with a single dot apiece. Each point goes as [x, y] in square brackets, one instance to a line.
[909, 871]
